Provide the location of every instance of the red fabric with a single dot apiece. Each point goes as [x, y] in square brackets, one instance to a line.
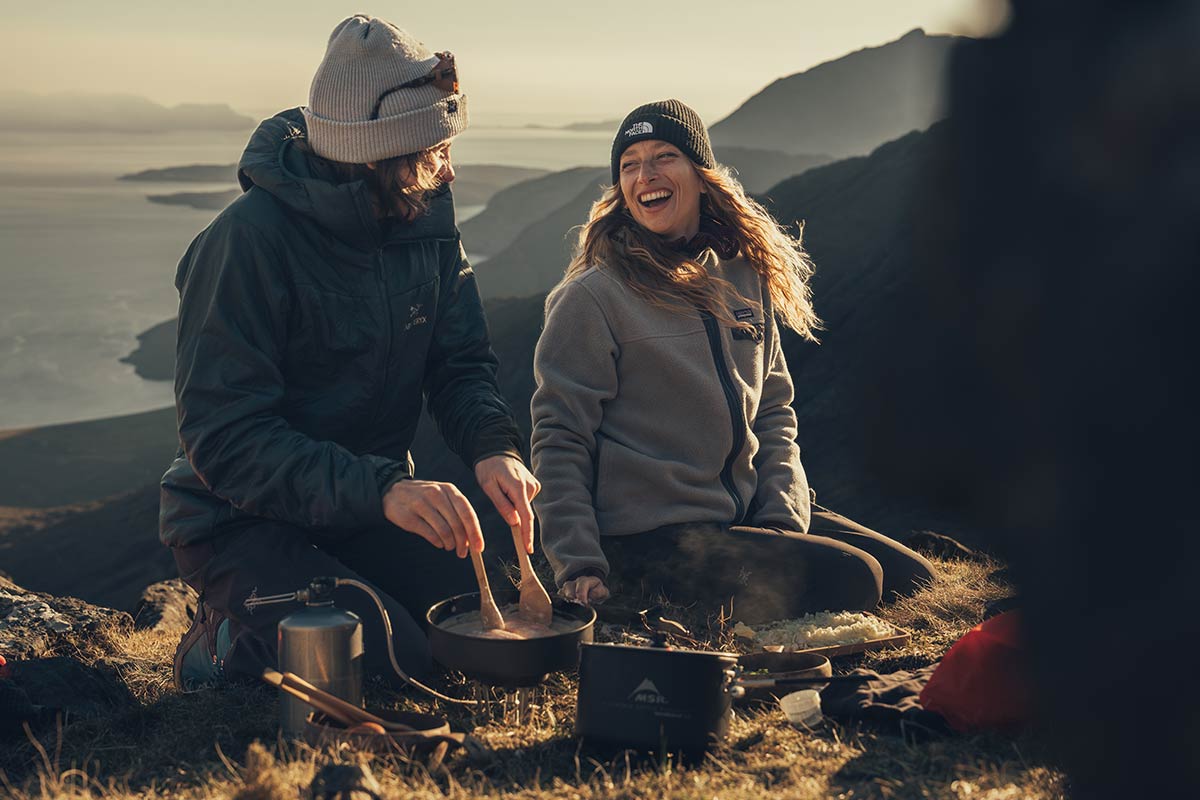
[983, 681]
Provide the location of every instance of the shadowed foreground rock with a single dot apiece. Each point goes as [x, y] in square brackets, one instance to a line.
[39, 637]
[36, 625]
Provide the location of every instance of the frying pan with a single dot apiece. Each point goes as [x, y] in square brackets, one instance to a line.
[508, 663]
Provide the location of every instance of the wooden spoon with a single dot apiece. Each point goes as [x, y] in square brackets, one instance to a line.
[489, 612]
[535, 603]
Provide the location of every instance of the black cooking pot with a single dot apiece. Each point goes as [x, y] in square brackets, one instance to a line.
[510, 663]
[670, 700]
[657, 698]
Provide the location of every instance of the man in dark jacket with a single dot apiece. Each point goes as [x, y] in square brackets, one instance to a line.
[316, 312]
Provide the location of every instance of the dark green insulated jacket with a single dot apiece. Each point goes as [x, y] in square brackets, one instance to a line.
[309, 334]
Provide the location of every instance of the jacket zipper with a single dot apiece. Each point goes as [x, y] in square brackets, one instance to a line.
[713, 329]
[387, 352]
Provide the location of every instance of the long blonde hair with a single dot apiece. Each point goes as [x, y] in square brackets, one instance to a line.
[669, 279]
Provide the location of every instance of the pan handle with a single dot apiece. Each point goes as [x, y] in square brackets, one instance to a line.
[771, 683]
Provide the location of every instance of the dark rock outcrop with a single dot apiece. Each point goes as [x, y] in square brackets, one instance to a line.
[167, 606]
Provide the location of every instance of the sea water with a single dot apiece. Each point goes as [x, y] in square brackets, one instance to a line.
[87, 263]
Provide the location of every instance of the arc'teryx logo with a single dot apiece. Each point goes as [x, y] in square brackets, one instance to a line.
[646, 692]
[638, 128]
[415, 317]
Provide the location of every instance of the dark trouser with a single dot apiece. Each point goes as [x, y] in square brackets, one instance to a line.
[766, 574]
[272, 558]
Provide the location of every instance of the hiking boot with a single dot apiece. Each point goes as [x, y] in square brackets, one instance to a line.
[200, 657]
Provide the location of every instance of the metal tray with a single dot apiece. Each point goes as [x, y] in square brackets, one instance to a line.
[899, 638]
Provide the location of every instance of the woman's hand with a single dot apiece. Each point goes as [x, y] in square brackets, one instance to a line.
[510, 487]
[437, 512]
[586, 590]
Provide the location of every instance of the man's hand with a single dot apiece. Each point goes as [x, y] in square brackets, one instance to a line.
[437, 512]
[585, 590]
[510, 486]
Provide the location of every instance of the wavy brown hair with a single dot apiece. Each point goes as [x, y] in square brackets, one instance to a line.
[667, 278]
[398, 185]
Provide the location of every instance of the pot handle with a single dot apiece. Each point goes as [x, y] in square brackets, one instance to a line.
[732, 685]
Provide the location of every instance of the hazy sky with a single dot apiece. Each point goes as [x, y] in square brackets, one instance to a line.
[540, 60]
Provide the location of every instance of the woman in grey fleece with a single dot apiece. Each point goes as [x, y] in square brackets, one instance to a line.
[662, 419]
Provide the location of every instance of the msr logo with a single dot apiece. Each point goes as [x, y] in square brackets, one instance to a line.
[648, 694]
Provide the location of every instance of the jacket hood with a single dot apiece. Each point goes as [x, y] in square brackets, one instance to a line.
[273, 163]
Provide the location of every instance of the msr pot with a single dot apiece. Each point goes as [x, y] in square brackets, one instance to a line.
[654, 698]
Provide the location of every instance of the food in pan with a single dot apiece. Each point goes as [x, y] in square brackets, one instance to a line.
[823, 629]
[515, 625]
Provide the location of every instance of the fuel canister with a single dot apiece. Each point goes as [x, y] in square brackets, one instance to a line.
[324, 645]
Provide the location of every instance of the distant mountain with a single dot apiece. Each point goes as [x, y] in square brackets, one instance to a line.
[210, 201]
[860, 222]
[475, 184]
[512, 214]
[113, 113]
[511, 210]
[535, 260]
[603, 126]
[190, 173]
[847, 106]
[759, 170]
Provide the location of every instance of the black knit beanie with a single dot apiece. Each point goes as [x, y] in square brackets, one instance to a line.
[669, 121]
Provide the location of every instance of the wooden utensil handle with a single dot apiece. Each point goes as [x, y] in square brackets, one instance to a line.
[359, 715]
[519, 541]
[480, 572]
[328, 709]
[349, 709]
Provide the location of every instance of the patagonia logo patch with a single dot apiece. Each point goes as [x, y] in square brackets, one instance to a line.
[743, 313]
[639, 128]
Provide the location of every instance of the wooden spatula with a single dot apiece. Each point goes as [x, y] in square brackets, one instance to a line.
[489, 612]
[535, 603]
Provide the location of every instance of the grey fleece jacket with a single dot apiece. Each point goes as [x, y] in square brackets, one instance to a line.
[644, 417]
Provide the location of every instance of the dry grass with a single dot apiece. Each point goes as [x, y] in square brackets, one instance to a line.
[173, 745]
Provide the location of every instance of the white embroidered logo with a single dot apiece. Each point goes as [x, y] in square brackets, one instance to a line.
[638, 128]
[415, 317]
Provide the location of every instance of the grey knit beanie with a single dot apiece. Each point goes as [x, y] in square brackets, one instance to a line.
[357, 111]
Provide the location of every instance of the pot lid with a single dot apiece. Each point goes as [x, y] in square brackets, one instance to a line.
[633, 648]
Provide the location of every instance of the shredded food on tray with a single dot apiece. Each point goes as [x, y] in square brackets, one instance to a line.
[823, 629]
